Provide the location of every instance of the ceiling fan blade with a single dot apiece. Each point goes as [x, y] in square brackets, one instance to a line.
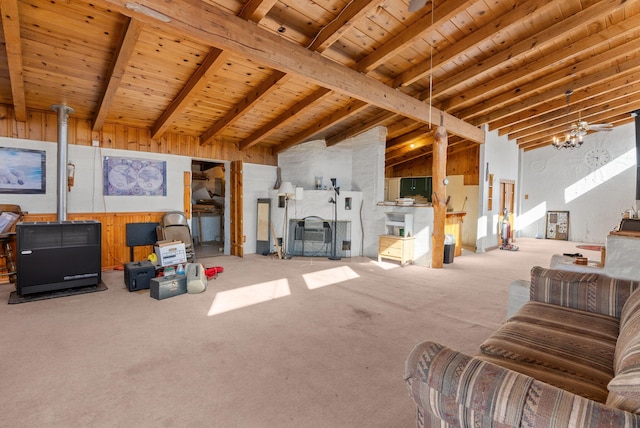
[601, 127]
[416, 5]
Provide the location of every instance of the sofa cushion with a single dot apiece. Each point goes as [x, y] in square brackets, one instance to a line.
[624, 388]
[585, 388]
[589, 292]
[630, 309]
[571, 320]
[567, 348]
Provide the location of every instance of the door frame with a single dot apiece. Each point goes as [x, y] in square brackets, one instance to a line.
[507, 196]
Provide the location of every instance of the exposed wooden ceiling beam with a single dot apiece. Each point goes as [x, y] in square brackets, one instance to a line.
[283, 119]
[420, 147]
[330, 33]
[267, 86]
[398, 43]
[620, 85]
[199, 80]
[482, 110]
[517, 52]
[253, 10]
[474, 40]
[540, 98]
[599, 114]
[378, 120]
[447, 55]
[359, 129]
[456, 145]
[568, 56]
[370, 62]
[227, 31]
[321, 125]
[322, 41]
[403, 126]
[256, 10]
[424, 148]
[409, 138]
[589, 110]
[423, 25]
[126, 47]
[13, 45]
[618, 120]
[489, 31]
[443, 13]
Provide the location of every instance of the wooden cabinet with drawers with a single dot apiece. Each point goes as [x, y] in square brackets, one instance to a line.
[396, 248]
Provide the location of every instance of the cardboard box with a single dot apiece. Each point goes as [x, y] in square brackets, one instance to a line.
[168, 286]
[170, 252]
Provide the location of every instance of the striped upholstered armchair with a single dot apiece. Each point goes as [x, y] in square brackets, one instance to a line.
[569, 358]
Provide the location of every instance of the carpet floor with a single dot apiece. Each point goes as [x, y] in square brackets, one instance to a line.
[306, 342]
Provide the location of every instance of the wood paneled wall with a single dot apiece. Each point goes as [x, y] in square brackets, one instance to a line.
[114, 240]
[464, 162]
[43, 126]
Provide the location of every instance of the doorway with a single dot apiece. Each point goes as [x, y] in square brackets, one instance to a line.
[507, 194]
[208, 208]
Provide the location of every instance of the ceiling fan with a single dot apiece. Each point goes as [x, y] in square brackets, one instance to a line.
[577, 130]
[581, 127]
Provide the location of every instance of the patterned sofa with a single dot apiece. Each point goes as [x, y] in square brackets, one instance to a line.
[570, 357]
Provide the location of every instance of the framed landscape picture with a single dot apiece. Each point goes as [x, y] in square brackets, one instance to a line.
[558, 225]
[22, 170]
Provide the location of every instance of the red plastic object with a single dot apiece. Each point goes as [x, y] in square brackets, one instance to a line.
[212, 272]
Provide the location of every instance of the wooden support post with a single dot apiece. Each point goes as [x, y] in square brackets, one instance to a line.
[439, 196]
[186, 195]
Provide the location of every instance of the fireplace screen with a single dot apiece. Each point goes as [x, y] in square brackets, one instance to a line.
[313, 237]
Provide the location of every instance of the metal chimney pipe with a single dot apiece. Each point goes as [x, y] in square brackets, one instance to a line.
[63, 119]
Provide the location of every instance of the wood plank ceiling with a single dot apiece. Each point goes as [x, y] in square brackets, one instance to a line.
[279, 73]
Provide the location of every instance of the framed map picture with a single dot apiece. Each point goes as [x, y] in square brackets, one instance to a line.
[134, 177]
[558, 225]
[22, 170]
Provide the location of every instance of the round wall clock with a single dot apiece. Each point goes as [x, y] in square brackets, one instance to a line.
[596, 158]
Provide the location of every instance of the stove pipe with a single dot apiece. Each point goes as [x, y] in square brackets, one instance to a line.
[63, 118]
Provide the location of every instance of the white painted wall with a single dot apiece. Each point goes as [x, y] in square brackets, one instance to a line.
[560, 180]
[368, 177]
[358, 166]
[86, 195]
[501, 156]
[257, 182]
[302, 163]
